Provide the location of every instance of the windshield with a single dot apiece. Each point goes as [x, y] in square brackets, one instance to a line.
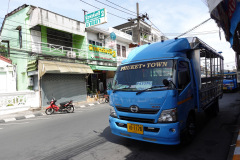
[229, 76]
[140, 76]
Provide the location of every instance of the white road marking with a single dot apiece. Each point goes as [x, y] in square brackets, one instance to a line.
[1, 128]
[34, 119]
[30, 116]
[10, 119]
[91, 104]
[82, 106]
[8, 124]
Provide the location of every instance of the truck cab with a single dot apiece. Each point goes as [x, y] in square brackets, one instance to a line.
[156, 92]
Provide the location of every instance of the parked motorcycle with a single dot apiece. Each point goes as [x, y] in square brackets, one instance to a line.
[64, 107]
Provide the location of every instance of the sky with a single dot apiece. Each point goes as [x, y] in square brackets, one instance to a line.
[171, 17]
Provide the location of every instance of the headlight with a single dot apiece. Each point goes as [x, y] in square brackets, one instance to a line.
[169, 115]
[113, 113]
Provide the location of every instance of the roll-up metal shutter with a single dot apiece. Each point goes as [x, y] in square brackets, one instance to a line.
[63, 87]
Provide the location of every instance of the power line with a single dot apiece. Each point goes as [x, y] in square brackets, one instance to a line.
[121, 7]
[115, 8]
[157, 28]
[194, 28]
[99, 8]
[8, 5]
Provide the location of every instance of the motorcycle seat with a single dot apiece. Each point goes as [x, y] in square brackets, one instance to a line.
[63, 103]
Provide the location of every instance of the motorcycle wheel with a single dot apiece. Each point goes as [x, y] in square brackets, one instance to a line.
[70, 109]
[106, 100]
[49, 111]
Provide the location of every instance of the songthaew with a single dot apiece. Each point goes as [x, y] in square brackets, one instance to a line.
[159, 88]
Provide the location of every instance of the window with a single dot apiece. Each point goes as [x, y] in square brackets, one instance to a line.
[183, 74]
[98, 44]
[59, 38]
[123, 51]
[118, 50]
[91, 42]
[129, 32]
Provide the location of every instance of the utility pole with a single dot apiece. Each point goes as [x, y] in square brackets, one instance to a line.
[138, 19]
[84, 14]
[138, 25]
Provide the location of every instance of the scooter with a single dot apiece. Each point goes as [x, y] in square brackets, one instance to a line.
[64, 107]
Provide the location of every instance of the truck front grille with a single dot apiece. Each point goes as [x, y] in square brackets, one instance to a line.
[133, 119]
[143, 111]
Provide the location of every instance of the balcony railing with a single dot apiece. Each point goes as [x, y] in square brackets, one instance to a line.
[58, 50]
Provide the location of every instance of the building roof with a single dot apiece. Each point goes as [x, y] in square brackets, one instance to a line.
[24, 6]
[5, 59]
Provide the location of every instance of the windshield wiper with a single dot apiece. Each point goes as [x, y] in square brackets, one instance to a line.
[139, 92]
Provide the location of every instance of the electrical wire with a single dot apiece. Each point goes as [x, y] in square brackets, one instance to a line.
[99, 8]
[157, 28]
[114, 8]
[8, 6]
[121, 7]
[193, 28]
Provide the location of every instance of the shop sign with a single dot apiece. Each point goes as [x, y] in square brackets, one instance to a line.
[96, 18]
[102, 53]
[113, 36]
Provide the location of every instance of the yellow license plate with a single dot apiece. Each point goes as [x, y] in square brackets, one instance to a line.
[225, 88]
[135, 128]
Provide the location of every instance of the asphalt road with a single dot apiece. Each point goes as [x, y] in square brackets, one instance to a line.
[85, 135]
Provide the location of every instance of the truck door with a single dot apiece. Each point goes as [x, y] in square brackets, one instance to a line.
[185, 91]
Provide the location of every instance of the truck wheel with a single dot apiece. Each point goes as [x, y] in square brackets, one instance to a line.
[190, 131]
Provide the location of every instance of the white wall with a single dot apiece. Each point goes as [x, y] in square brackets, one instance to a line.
[121, 43]
[94, 37]
[7, 77]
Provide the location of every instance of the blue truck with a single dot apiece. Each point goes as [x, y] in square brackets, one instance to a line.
[160, 86]
[230, 81]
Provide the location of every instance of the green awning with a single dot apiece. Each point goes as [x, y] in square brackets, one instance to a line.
[103, 68]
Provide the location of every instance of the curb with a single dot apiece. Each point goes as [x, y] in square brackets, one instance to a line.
[40, 114]
[21, 117]
[236, 154]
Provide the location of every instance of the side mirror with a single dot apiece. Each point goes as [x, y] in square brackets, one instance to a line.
[166, 82]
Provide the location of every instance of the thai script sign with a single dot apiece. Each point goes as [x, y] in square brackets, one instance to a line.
[102, 53]
[96, 18]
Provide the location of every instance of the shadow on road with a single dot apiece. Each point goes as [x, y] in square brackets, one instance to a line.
[212, 141]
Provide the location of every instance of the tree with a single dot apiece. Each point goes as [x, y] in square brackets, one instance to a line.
[3, 49]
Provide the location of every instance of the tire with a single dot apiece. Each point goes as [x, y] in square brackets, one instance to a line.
[106, 100]
[49, 111]
[190, 131]
[70, 109]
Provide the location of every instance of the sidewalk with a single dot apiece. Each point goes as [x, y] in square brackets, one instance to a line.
[37, 112]
[234, 151]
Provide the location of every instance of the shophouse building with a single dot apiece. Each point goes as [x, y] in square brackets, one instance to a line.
[50, 52]
[148, 34]
[110, 40]
[57, 56]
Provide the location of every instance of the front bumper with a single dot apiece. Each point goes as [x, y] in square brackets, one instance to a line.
[165, 134]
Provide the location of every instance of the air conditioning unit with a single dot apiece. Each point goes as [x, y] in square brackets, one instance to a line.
[101, 36]
[71, 54]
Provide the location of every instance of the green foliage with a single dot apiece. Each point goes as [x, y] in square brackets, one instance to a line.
[3, 48]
